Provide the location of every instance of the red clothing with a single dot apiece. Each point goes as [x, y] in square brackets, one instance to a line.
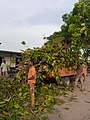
[32, 72]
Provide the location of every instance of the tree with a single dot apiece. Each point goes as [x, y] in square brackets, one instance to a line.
[76, 27]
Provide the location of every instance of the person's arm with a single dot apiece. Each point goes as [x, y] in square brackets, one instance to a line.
[31, 78]
[1, 65]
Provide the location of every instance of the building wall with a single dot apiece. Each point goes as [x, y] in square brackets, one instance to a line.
[11, 61]
[7, 60]
[9, 57]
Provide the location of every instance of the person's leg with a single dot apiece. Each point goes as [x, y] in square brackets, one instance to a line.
[82, 81]
[76, 82]
[2, 73]
[84, 78]
[6, 73]
[32, 94]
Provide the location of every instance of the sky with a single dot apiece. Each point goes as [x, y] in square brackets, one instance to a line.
[30, 21]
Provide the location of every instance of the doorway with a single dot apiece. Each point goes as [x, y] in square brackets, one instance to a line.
[0, 60]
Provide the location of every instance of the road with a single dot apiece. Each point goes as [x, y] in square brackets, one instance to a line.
[76, 106]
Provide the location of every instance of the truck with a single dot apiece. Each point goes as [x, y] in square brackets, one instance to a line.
[67, 76]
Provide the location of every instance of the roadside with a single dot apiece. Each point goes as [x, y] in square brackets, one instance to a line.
[76, 106]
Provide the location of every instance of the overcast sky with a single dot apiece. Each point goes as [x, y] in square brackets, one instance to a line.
[30, 20]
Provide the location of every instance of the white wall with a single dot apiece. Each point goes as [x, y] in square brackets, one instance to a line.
[7, 60]
[13, 62]
[10, 61]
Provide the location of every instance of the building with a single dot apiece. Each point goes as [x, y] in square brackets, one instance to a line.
[12, 58]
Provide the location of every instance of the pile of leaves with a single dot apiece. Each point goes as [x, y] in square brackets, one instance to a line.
[15, 102]
[50, 57]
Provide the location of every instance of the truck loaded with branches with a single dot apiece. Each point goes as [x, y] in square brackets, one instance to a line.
[54, 61]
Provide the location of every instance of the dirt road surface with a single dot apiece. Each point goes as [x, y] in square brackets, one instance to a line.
[76, 106]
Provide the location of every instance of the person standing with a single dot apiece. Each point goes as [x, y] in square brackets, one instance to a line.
[79, 76]
[32, 80]
[4, 68]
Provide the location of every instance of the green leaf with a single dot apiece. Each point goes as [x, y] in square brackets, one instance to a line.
[20, 94]
[17, 106]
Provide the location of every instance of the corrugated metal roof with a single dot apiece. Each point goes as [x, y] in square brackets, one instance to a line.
[9, 51]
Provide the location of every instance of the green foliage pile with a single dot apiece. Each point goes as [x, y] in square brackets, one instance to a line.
[14, 99]
[15, 103]
[50, 57]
